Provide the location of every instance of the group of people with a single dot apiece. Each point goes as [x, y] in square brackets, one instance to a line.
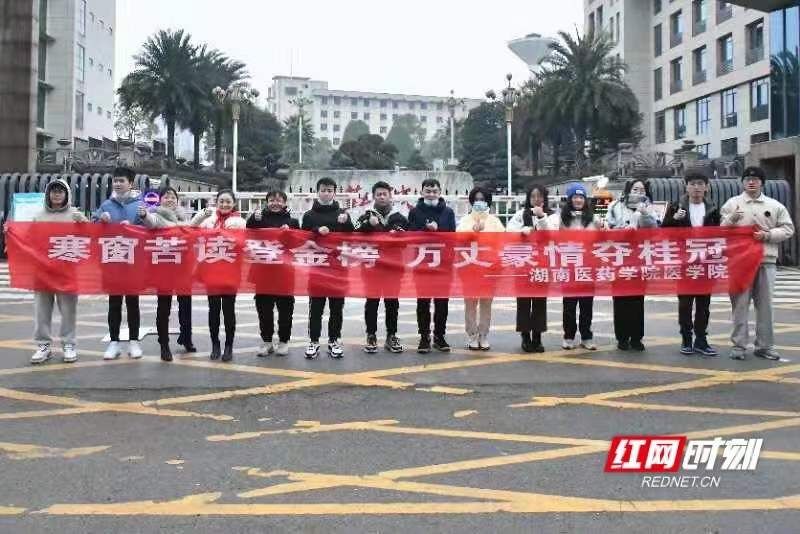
[634, 209]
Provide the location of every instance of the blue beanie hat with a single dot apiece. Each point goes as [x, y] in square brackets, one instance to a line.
[576, 189]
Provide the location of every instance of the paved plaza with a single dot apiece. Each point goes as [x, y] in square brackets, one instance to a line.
[493, 442]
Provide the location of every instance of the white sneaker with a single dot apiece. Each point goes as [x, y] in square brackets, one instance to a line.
[266, 349]
[473, 343]
[588, 344]
[568, 344]
[283, 349]
[335, 349]
[312, 350]
[113, 351]
[135, 350]
[41, 355]
[483, 343]
[70, 355]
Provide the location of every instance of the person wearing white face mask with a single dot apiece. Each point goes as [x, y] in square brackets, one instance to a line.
[479, 220]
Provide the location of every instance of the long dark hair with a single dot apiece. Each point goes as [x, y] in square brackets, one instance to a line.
[542, 191]
[587, 213]
[629, 185]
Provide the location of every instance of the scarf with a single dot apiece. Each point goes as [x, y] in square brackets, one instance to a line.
[221, 218]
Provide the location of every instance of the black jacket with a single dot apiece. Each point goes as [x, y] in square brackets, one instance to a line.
[443, 216]
[271, 219]
[392, 221]
[712, 217]
[319, 216]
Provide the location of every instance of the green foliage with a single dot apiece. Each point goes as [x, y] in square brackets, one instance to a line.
[402, 136]
[321, 153]
[483, 150]
[354, 130]
[369, 152]
[291, 154]
[417, 162]
[439, 145]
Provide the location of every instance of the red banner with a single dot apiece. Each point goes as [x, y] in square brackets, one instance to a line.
[115, 259]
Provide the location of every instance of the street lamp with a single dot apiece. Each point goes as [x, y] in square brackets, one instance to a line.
[509, 98]
[300, 102]
[235, 94]
[451, 105]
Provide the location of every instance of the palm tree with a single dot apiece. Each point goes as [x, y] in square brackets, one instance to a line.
[582, 84]
[165, 80]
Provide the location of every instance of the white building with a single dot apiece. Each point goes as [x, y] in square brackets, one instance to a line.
[332, 110]
[76, 72]
[698, 67]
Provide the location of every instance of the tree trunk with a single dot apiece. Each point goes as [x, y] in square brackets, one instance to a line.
[556, 158]
[171, 142]
[197, 149]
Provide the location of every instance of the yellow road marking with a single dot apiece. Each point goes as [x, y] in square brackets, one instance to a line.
[24, 451]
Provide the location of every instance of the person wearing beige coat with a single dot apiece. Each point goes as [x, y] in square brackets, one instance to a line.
[479, 220]
[773, 226]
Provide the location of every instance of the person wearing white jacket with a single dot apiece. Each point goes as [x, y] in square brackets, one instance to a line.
[773, 226]
[479, 220]
[576, 214]
[225, 216]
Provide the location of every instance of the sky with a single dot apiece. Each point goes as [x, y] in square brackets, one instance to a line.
[410, 46]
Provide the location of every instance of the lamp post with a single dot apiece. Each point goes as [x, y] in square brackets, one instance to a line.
[235, 94]
[452, 102]
[300, 102]
[509, 99]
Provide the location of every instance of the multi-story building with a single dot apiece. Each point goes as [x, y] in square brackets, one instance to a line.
[330, 111]
[76, 72]
[698, 68]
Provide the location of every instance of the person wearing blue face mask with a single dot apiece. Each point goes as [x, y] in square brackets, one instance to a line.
[479, 220]
[431, 214]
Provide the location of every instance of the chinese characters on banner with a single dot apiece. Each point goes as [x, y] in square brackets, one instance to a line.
[114, 259]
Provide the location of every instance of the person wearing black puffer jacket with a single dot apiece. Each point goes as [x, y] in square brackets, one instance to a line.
[324, 217]
[431, 214]
[275, 215]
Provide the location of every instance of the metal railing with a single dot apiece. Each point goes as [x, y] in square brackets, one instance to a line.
[725, 67]
[759, 113]
[730, 120]
[698, 27]
[675, 39]
[675, 86]
[700, 76]
[724, 13]
[754, 55]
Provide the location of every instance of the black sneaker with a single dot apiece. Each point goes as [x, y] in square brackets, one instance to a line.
[166, 353]
[440, 344]
[424, 345]
[536, 343]
[527, 344]
[623, 345]
[702, 347]
[393, 344]
[687, 348]
[371, 346]
[637, 345]
[216, 351]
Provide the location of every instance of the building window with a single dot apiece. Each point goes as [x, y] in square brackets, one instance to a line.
[100, 110]
[656, 7]
[323, 127]
[323, 113]
[679, 120]
[108, 114]
[700, 63]
[676, 29]
[336, 140]
[81, 17]
[384, 103]
[366, 116]
[41, 102]
[703, 115]
[755, 42]
[395, 105]
[366, 103]
[591, 23]
[725, 54]
[759, 100]
[394, 117]
[383, 129]
[619, 30]
[730, 147]
[336, 127]
[79, 107]
[423, 105]
[759, 138]
[90, 107]
[337, 100]
[658, 91]
[703, 150]
[657, 40]
[354, 102]
[724, 11]
[383, 116]
[676, 75]
[412, 105]
[439, 106]
[80, 63]
[290, 91]
[324, 100]
[661, 128]
[699, 16]
[729, 115]
[353, 116]
[336, 114]
[423, 118]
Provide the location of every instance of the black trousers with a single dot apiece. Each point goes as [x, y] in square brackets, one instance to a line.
[629, 318]
[227, 305]
[316, 308]
[184, 317]
[392, 307]
[701, 314]
[532, 315]
[585, 320]
[440, 311]
[115, 316]
[265, 304]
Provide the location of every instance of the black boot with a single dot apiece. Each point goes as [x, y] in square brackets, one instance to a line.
[526, 342]
[216, 352]
[228, 354]
[166, 354]
[536, 342]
